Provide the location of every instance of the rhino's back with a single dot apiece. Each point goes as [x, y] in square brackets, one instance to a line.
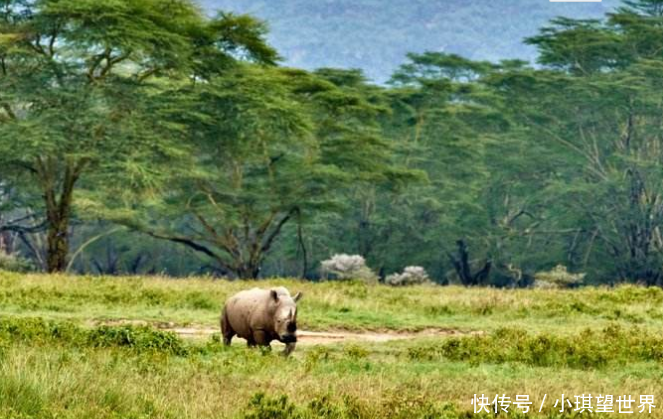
[246, 310]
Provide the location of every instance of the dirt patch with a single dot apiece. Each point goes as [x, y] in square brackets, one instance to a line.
[304, 337]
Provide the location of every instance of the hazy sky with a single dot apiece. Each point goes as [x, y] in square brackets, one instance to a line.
[375, 35]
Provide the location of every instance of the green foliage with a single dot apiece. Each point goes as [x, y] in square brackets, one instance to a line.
[39, 331]
[181, 127]
[54, 368]
[586, 350]
[15, 263]
[397, 407]
[275, 147]
[109, 67]
[141, 340]
[330, 305]
[355, 352]
[315, 356]
[604, 137]
[265, 407]
[262, 406]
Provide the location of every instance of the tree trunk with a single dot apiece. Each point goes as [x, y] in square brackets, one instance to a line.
[248, 271]
[57, 245]
[258, 244]
[462, 266]
[58, 209]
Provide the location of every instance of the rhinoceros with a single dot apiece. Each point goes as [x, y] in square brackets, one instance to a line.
[261, 316]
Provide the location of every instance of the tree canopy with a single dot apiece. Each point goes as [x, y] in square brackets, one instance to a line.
[145, 136]
[83, 86]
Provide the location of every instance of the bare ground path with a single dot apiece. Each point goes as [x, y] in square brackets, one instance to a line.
[304, 337]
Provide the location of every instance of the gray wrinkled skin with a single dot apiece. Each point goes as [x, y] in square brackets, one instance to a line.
[261, 316]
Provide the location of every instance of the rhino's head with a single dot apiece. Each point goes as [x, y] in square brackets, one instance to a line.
[285, 315]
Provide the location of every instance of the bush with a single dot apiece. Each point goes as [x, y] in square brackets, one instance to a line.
[348, 267]
[39, 331]
[13, 262]
[315, 356]
[586, 350]
[396, 406]
[141, 339]
[412, 275]
[262, 406]
[558, 277]
[355, 352]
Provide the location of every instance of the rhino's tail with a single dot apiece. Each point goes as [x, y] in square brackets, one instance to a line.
[226, 331]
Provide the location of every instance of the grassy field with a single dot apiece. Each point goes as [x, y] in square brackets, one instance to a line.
[60, 360]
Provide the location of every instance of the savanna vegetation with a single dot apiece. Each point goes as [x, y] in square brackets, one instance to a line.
[166, 157]
[155, 139]
[70, 347]
[332, 305]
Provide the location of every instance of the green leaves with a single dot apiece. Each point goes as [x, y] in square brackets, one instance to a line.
[92, 92]
[273, 146]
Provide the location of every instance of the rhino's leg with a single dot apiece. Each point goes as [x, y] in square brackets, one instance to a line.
[261, 338]
[250, 342]
[226, 330]
[289, 347]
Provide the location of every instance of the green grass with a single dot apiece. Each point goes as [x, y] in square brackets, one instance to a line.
[333, 305]
[56, 363]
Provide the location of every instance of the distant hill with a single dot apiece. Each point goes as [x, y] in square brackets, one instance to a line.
[375, 35]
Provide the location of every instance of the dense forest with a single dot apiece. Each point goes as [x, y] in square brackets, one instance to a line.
[144, 136]
[375, 35]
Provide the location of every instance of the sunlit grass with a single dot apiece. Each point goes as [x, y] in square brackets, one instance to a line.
[332, 305]
[536, 342]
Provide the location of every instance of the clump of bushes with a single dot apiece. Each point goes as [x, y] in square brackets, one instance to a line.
[141, 339]
[39, 331]
[558, 277]
[395, 406]
[315, 356]
[13, 262]
[262, 406]
[587, 350]
[412, 275]
[348, 267]
[355, 352]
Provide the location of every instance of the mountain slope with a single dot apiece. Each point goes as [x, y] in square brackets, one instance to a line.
[375, 35]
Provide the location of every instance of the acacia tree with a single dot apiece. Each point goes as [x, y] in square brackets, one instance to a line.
[274, 146]
[596, 111]
[83, 97]
[437, 124]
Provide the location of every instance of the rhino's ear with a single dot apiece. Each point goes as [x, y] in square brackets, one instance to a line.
[274, 295]
[297, 296]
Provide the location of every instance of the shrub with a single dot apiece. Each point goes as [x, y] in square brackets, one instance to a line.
[397, 405]
[141, 339]
[586, 350]
[355, 352]
[347, 267]
[412, 275]
[558, 277]
[13, 262]
[38, 330]
[315, 356]
[262, 406]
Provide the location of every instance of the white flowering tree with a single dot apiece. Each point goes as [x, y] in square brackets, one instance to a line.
[412, 275]
[346, 267]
